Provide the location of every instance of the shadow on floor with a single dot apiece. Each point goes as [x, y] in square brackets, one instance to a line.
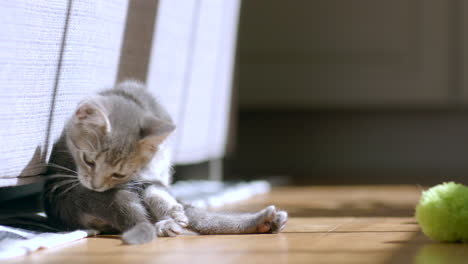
[370, 209]
[421, 250]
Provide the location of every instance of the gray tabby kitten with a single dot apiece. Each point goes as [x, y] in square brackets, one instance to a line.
[110, 170]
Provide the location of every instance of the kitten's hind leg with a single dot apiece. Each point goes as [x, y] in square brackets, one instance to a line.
[268, 220]
[279, 223]
[271, 221]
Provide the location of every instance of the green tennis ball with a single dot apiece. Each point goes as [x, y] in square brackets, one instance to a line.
[442, 212]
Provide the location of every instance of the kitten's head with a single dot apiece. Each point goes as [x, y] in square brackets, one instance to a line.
[111, 139]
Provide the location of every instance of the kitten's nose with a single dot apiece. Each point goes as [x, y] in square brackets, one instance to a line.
[96, 184]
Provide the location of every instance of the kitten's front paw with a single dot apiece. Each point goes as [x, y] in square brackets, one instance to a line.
[168, 228]
[178, 214]
[271, 221]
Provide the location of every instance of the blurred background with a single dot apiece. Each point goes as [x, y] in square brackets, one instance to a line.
[303, 92]
[297, 92]
[352, 92]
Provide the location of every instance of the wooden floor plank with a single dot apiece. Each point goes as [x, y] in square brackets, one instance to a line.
[346, 232]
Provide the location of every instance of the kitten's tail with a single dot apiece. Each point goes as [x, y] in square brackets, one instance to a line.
[204, 222]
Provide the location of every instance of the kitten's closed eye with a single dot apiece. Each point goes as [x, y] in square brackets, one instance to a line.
[118, 176]
[88, 161]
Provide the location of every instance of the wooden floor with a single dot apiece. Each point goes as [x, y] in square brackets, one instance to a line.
[371, 224]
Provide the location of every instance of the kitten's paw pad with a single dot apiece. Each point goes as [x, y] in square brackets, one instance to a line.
[279, 222]
[265, 219]
[139, 234]
[178, 214]
[168, 228]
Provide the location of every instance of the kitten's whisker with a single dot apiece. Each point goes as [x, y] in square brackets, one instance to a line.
[134, 186]
[68, 181]
[139, 183]
[50, 164]
[126, 185]
[111, 204]
[68, 189]
[61, 176]
[61, 184]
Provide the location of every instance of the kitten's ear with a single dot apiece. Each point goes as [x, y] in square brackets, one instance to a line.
[91, 113]
[154, 131]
